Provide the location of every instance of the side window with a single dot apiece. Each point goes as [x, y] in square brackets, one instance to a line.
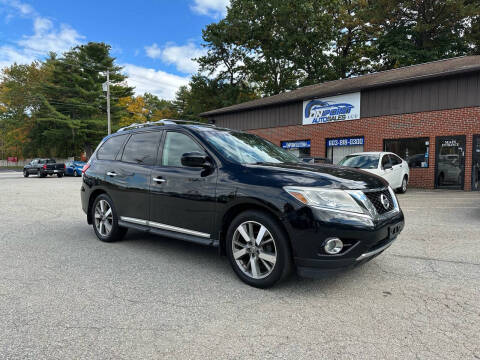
[110, 148]
[177, 144]
[395, 160]
[385, 160]
[141, 148]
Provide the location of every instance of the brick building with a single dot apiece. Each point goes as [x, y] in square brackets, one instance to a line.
[428, 114]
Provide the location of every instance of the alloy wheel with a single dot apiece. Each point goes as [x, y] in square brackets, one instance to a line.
[404, 185]
[254, 249]
[103, 218]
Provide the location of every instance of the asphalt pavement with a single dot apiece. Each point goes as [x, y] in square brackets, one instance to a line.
[66, 295]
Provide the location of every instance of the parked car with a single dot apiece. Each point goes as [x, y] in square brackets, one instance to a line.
[44, 167]
[316, 160]
[74, 168]
[259, 204]
[385, 164]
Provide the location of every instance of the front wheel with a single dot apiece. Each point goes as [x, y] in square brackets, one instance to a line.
[403, 188]
[75, 173]
[25, 173]
[258, 249]
[105, 220]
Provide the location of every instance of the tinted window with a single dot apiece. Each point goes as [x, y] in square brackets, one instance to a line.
[385, 160]
[142, 148]
[413, 150]
[247, 148]
[110, 148]
[395, 160]
[360, 161]
[177, 144]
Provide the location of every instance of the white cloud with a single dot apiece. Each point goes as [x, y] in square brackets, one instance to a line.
[18, 6]
[153, 51]
[46, 37]
[157, 82]
[180, 56]
[212, 8]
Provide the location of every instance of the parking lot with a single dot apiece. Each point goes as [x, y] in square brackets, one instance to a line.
[64, 294]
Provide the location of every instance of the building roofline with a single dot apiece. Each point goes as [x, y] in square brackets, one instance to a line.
[411, 73]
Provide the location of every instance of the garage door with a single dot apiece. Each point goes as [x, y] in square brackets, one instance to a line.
[337, 149]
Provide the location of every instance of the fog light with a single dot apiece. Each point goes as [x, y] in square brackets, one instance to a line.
[333, 246]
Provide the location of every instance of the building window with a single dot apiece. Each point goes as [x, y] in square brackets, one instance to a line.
[414, 150]
[301, 148]
[338, 148]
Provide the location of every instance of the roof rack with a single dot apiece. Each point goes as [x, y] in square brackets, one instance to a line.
[159, 122]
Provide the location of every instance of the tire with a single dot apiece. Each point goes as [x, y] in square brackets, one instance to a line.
[42, 175]
[59, 175]
[403, 189]
[116, 233]
[441, 179]
[25, 173]
[275, 243]
[75, 173]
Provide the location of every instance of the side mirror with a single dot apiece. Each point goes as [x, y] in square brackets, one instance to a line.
[195, 159]
[387, 166]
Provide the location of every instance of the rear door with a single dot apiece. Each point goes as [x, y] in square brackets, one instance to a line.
[130, 177]
[182, 198]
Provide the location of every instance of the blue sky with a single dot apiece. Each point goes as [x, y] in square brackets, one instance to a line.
[153, 40]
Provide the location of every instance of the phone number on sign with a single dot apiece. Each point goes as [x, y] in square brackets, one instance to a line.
[345, 142]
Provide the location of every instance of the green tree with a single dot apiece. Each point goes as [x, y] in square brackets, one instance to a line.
[412, 31]
[72, 116]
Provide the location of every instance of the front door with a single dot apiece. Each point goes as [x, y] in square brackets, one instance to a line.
[387, 173]
[450, 162]
[182, 199]
[476, 163]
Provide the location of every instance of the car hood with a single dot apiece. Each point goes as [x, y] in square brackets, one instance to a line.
[321, 175]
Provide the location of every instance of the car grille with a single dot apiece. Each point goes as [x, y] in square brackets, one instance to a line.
[375, 199]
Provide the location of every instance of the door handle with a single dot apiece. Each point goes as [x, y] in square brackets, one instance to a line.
[159, 180]
[111, 173]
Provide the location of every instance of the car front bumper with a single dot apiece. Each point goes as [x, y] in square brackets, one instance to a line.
[364, 238]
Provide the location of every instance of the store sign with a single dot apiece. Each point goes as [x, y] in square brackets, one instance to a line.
[12, 159]
[295, 144]
[345, 142]
[335, 108]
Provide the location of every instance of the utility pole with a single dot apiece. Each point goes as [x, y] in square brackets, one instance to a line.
[108, 103]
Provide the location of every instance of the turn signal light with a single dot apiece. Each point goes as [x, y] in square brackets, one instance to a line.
[299, 196]
[85, 168]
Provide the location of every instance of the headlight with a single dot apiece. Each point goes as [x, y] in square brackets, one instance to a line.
[332, 199]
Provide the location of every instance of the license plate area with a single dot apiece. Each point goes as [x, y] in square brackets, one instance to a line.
[55, 171]
[394, 230]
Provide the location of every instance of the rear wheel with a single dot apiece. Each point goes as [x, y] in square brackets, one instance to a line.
[105, 220]
[403, 188]
[59, 175]
[42, 175]
[258, 249]
[25, 173]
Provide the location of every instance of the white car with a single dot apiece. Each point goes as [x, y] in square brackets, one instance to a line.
[385, 164]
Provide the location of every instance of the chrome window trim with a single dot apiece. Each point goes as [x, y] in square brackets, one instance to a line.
[164, 226]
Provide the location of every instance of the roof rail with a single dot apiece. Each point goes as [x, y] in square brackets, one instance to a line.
[159, 122]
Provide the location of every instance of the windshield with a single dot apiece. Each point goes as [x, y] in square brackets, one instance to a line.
[360, 161]
[244, 148]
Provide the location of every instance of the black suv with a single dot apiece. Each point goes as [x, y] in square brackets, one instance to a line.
[261, 206]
